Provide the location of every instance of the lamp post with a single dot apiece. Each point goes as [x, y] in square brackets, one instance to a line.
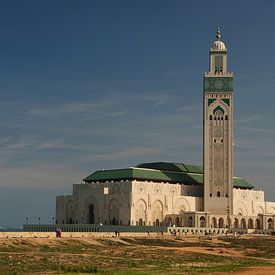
[53, 219]
[27, 219]
[38, 220]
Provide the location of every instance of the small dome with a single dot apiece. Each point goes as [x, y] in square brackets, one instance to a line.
[218, 45]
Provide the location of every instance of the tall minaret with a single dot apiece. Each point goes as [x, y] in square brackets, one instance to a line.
[218, 131]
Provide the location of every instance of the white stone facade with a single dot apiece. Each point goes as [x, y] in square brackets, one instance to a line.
[153, 203]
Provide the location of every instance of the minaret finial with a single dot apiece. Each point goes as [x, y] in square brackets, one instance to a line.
[218, 35]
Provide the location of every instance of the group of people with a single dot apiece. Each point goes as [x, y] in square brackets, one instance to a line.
[58, 232]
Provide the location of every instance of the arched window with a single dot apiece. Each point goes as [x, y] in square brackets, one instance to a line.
[219, 116]
[210, 117]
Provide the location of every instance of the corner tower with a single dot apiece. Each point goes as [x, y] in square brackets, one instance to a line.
[218, 131]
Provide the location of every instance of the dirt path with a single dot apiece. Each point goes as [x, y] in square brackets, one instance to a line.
[261, 270]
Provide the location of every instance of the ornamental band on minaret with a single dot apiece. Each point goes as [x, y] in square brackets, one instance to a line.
[218, 132]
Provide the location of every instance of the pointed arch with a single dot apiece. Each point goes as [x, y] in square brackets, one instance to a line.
[250, 224]
[141, 211]
[70, 212]
[90, 211]
[157, 212]
[182, 205]
[259, 210]
[240, 207]
[218, 109]
[113, 210]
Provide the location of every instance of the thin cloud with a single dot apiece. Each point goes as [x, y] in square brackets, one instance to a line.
[258, 130]
[115, 114]
[126, 154]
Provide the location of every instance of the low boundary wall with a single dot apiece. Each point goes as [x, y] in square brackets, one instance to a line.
[91, 228]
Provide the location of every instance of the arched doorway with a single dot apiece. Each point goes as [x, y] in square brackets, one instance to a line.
[236, 223]
[270, 224]
[177, 221]
[243, 223]
[70, 212]
[114, 212]
[91, 214]
[221, 223]
[157, 212]
[202, 221]
[190, 221]
[169, 222]
[257, 224]
[140, 222]
[250, 223]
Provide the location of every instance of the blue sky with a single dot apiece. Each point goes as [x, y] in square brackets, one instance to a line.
[88, 85]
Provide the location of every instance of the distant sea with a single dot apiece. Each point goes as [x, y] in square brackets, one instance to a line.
[10, 229]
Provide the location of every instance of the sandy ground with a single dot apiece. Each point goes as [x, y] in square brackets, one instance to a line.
[215, 249]
[263, 270]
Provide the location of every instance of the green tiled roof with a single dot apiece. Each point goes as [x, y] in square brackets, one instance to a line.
[164, 166]
[241, 183]
[160, 171]
[176, 167]
[141, 174]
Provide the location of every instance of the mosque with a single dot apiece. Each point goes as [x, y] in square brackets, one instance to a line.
[179, 194]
